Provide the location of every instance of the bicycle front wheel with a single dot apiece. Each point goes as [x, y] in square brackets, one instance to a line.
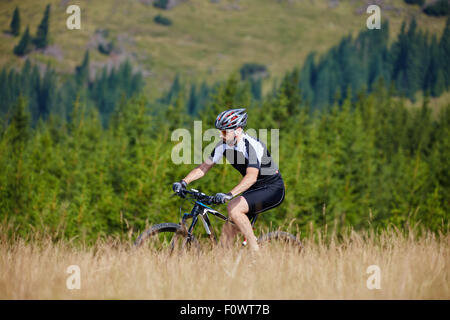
[167, 236]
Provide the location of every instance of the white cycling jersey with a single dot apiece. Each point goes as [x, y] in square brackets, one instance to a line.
[248, 152]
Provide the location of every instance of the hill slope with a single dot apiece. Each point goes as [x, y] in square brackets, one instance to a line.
[207, 40]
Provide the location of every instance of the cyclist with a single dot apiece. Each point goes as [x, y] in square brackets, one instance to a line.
[262, 186]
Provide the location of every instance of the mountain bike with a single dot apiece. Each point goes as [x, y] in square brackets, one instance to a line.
[173, 236]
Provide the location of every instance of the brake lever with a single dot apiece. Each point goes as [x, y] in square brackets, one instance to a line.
[210, 200]
[180, 194]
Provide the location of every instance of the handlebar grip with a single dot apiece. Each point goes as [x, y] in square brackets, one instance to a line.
[210, 200]
[197, 195]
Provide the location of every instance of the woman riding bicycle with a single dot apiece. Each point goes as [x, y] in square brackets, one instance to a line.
[262, 187]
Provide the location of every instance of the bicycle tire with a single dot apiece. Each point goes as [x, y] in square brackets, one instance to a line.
[281, 237]
[178, 233]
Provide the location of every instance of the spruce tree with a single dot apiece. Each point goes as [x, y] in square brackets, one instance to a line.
[15, 23]
[434, 78]
[290, 88]
[173, 91]
[176, 113]
[41, 39]
[46, 94]
[256, 88]
[82, 71]
[24, 46]
[17, 176]
[34, 84]
[3, 95]
[222, 99]
[414, 61]
[203, 96]
[307, 78]
[124, 76]
[192, 102]
[19, 126]
[444, 47]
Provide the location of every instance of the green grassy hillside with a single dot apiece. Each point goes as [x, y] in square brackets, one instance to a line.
[207, 40]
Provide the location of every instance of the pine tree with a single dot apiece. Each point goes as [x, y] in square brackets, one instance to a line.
[15, 23]
[256, 88]
[434, 79]
[192, 102]
[203, 96]
[3, 95]
[17, 135]
[46, 93]
[290, 89]
[29, 87]
[24, 46]
[136, 83]
[323, 85]
[34, 84]
[414, 61]
[307, 77]
[409, 52]
[18, 131]
[223, 98]
[230, 91]
[176, 113]
[444, 46]
[41, 39]
[173, 91]
[124, 75]
[82, 71]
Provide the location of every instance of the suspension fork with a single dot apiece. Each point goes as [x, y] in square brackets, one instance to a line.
[194, 215]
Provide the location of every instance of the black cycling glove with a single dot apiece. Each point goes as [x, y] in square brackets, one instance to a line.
[222, 197]
[178, 186]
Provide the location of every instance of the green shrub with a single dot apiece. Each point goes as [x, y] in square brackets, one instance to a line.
[162, 20]
[419, 2]
[438, 8]
[161, 4]
[250, 70]
[106, 48]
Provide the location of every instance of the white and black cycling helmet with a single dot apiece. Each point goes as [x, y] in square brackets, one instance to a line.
[231, 119]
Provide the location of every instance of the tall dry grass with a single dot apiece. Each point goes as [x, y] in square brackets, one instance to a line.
[412, 267]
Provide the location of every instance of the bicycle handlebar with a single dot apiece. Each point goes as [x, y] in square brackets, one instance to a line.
[197, 195]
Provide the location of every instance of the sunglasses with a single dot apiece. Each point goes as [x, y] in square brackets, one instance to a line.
[224, 132]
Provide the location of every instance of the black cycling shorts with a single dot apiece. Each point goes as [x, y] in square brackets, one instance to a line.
[264, 197]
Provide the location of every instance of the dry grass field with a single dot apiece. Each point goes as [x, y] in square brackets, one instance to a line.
[411, 267]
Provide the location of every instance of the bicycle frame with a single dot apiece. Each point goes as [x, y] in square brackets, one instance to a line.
[201, 210]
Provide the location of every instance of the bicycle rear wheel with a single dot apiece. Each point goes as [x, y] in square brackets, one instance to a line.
[280, 237]
[167, 236]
